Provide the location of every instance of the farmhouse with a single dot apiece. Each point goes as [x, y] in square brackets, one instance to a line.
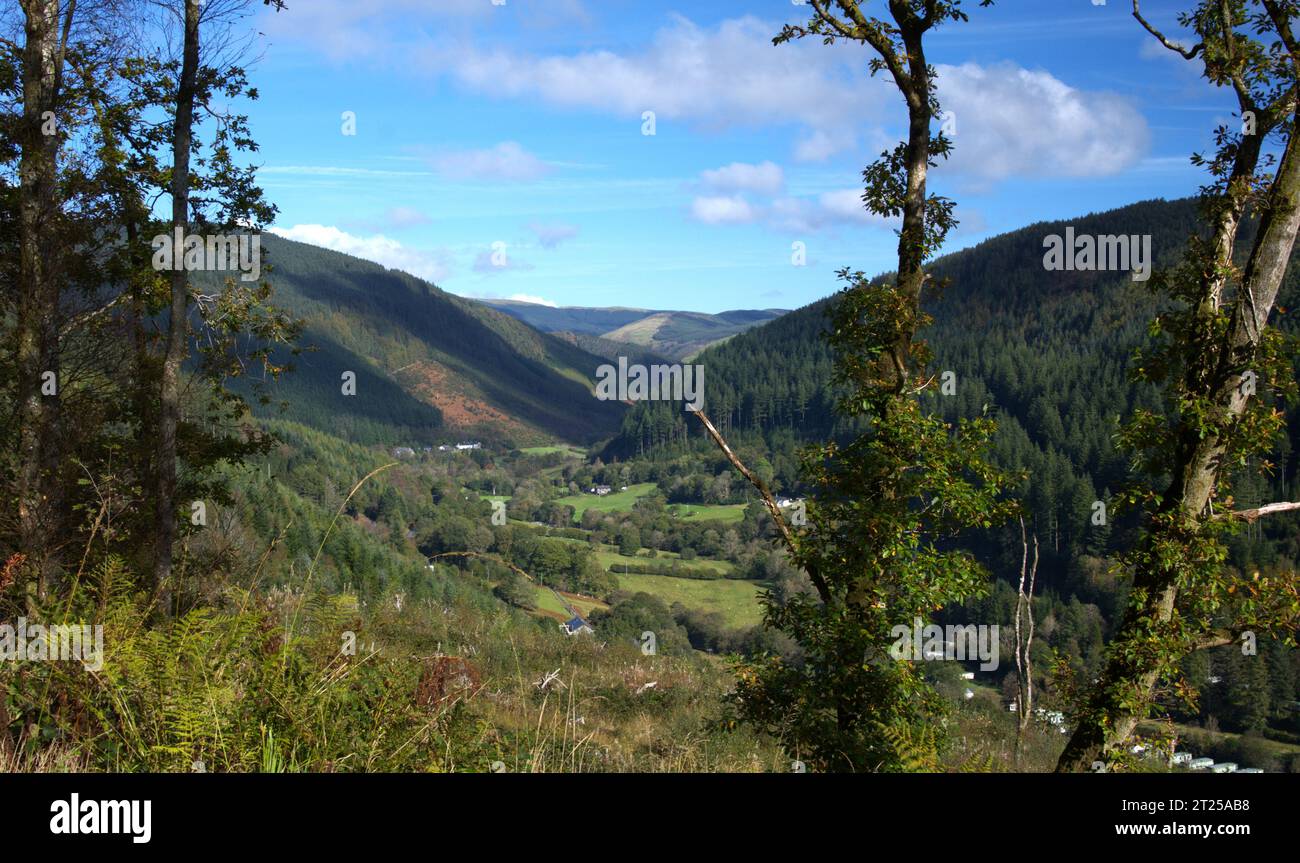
[577, 625]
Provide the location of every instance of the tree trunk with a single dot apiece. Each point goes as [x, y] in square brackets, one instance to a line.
[37, 327]
[1111, 723]
[170, 378]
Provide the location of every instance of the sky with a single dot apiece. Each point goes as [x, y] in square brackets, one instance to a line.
[669, 156]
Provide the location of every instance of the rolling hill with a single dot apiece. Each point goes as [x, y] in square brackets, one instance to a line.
[675, 335]
[430, 366]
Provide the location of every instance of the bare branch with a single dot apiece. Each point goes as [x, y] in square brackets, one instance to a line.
[768, 500]
[1185, 53]
[1258, 512]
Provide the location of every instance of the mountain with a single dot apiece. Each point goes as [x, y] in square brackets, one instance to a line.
[676, 335]
[1047, 352]
[430, 367]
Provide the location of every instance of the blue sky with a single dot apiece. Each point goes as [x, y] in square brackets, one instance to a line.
[499, 149]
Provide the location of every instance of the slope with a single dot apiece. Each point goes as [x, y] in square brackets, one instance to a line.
[429, 365]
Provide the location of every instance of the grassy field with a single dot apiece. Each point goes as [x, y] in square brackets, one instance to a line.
[549, 604]
[584, 604]
[736, 601]
[574, 451]
[612, 560]
[618, 500]
[730, 513]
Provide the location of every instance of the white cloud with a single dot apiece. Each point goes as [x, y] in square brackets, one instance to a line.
[841, 207]
[346, 30]
[827, 210]
[551, 236]
[537, 301]
[728, 75]
[766, 178]
[390, 253]
[728, 210]
[1016, 122]
[846, 204]
[818, 146]
[507, 161]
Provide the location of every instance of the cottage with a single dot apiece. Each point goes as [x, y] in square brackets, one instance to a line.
[472, 445]
[403, 452]
[577, 625]
[599, 489]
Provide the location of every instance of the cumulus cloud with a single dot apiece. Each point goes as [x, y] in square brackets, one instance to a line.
[766, 178]
[382, 250]
[1016, 122]
[818, 145]
[723, 210]
[841, 207]
[507, 161]
[551, 236]
[346, 30]
[714, 77]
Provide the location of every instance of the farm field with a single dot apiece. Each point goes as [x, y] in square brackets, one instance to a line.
[736, 601]
[730, 513]
[559, 448]
[612, 502]
[611, 560]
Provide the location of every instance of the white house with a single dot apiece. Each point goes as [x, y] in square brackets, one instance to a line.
[577, 625]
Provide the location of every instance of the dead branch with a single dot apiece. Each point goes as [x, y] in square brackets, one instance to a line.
[787, 535]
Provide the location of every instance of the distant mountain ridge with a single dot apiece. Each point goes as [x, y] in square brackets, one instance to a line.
[672, 334]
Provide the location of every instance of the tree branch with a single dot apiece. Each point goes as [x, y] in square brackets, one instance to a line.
[768, 500]
[1185, 53]
[1257, 512]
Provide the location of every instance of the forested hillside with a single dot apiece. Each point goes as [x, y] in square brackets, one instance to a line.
[1047, 352]
[430, 366]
